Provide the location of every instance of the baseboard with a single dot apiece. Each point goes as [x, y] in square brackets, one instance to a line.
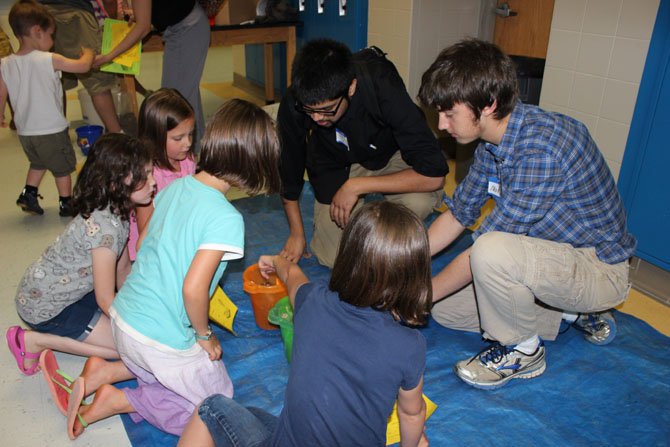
[650, 280]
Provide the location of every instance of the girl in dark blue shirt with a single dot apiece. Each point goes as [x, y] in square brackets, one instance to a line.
[353, 354]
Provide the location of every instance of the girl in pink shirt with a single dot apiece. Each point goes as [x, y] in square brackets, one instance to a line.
[166, 125]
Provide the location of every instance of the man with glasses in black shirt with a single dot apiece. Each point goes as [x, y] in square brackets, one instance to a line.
[348, 120]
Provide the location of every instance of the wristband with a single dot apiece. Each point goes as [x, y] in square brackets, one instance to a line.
[206, 337]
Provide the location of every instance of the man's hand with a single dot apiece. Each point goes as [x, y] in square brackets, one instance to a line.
[212, 347]
[343, 203]
[294, 248]
[3, 123]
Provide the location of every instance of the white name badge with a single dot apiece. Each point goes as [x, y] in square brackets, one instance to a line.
[494, 186]
[341, 138]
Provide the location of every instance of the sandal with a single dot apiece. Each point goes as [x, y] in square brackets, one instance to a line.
[17, 346]
[75, 402]
[58, 381]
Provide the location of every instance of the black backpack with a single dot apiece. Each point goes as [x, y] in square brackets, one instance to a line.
[371, 55]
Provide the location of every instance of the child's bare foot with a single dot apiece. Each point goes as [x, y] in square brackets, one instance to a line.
[108, 401]
[98, 371]
[93, 373]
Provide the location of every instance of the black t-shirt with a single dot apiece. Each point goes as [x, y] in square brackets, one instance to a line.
[166, 13]
[380, 120]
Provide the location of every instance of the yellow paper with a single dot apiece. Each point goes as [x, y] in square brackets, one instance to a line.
[222, 310]
[119, 30]
[113, 32]
[393, 427]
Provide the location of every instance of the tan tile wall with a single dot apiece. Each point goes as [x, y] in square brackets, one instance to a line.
[389, 26]
[596, 54]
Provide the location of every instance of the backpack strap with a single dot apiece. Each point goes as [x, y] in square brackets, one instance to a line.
[367, 55]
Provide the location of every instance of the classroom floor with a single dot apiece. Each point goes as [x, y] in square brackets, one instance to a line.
[29, 416]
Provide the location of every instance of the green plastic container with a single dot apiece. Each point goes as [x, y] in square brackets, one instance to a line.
[282, 315]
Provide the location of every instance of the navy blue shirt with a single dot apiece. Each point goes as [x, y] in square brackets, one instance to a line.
[348, 365]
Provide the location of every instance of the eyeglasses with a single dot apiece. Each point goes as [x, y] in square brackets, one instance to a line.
[330, 111]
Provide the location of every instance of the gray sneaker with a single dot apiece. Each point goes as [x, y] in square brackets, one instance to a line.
[599, 329]
[29, 203]
[496, 365]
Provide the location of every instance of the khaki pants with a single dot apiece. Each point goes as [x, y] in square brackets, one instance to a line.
[76, 28]
[327, 234]
[524, 284]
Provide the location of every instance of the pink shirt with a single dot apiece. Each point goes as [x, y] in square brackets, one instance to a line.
[163, 178]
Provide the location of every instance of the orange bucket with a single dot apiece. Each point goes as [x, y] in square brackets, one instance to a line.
[264, 294]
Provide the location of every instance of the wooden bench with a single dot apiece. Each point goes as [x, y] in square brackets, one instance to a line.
[228, 35]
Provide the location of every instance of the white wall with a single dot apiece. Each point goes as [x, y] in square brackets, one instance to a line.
[414, 31]
[437, 24]
[596, 54]
[597, 50]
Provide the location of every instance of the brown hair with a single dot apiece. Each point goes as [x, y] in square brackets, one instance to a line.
[27, 13]
[474, 73]
[383, 262]
[114, 168]
[241, 146]
[161, 112]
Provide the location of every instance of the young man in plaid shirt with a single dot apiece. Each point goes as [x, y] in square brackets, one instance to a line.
[554, 247]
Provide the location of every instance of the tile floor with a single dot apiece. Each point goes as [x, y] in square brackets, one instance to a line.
[29, 415]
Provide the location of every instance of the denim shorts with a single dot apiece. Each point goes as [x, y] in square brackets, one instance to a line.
[229, 423]
[75, 321]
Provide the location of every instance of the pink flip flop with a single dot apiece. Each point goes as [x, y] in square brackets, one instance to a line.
[73, 405]
[59, 383]
[17, 346]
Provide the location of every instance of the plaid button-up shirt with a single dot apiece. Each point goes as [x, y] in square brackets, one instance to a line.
[554, 185]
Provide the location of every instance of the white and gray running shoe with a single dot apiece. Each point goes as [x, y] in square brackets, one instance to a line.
[496, 365]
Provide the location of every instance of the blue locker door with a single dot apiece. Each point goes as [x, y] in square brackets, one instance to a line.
[352, 29]
[643, 181]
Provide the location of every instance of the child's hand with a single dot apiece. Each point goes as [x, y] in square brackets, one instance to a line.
[3, 123]
[266, 265]
[212, 347]
[99, 60]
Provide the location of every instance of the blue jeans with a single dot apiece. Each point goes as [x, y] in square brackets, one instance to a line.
[231, 424]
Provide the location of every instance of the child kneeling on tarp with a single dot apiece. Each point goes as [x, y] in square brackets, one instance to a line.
[352, 353]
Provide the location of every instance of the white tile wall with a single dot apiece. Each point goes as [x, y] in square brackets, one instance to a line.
[568, 15]
[595, 59]
[561, 81]
[601, 16]
[587, 93]
[436, 24]
[594, 54]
